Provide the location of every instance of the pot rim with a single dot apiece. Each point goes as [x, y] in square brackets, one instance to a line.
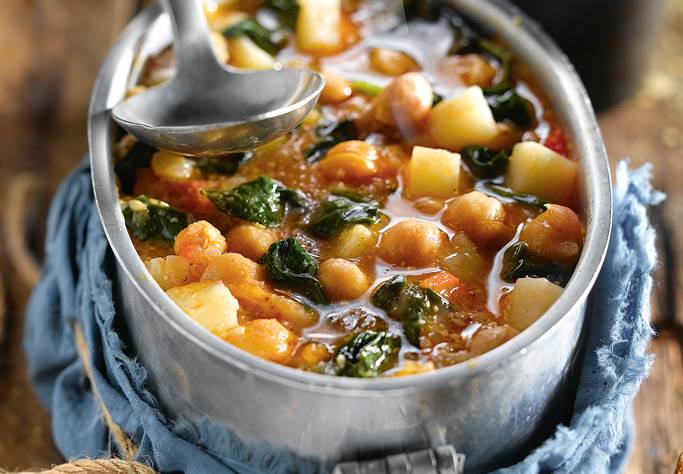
[561, 86]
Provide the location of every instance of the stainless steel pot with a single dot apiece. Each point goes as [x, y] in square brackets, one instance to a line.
[492, 408]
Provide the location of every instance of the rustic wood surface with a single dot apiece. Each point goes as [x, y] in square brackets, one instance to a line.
[52, 50]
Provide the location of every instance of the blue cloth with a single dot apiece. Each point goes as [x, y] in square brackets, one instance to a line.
[77, 286]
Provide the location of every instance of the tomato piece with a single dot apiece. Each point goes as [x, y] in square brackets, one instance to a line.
[557, 142]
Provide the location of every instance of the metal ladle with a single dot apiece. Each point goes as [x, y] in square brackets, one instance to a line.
[209, 109]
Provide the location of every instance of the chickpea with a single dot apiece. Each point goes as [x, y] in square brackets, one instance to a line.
[490, 337]
[412, 243]
[556, 234]
[265, 338]
[352, 162]
[342, 280]
[479, 216]
[336, 90]
[392, 63]
[170, 271]
[199, 242]
[405, 104]
[172, 166]
[470, 69]
[250, 240]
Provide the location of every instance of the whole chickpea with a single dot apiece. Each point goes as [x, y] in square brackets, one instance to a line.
[405, 104]
[342, 280]
[412, 243]
[556, 234]
[265, 338]
[336, 90]
[391, 62]
[250, 240]
[233, 269]
[352, 162]
[480, 217]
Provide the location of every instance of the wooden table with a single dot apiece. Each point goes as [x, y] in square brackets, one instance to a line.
[53, 49]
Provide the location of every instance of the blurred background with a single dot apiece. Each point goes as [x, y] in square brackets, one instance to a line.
[630, 53]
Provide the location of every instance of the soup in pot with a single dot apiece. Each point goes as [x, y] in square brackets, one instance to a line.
[423, 214]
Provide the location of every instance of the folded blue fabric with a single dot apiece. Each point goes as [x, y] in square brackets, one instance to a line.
[77, 286]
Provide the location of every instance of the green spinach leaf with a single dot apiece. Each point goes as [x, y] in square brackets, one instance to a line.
[502, 191]
[367, 355]
[507, 104]
[270, 41]
[139, 156]
[484, 162]
[289, 264]
[287, 10]
[330, 134]
[518, 262]
[411, 304]
[338, 213]
[151, 219]
[224, 165]
[262, 201]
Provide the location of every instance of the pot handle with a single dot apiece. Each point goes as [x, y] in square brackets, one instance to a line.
[441, 460]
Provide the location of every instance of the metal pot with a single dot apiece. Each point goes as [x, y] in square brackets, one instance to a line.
[493, 408]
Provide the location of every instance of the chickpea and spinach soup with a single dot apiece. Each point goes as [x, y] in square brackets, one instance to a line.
[423, 214]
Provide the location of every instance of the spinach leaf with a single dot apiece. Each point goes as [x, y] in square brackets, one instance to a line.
[151, 219]
[484, 162]
[367, 355]
[338, 213]
[502, 191]
[411, 304]
[507, 104]
[366, 88]
[330, 134]
[291, 265]
[224, 165]
[502, 55]
[270, 41]
[139, 156]
[262, 201]
[518, 262]
[287, 10]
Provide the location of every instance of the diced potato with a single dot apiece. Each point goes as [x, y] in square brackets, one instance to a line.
[233, 269]
[220, 47]
[210, 303]
[342, 280]
[170, 271]
[412, 243]
[258, 301]
[528, 301]
[265, 338]
[318, 26]
[225, 20]
[251, 240]
[465, 261]
[245, 54]
[311, 355]
[490, 337]
[355, 242]
[535, 169]
[411, 367]
[463, 121]
[432, 172]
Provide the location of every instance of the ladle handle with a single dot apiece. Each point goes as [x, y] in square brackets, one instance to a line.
[192, 43]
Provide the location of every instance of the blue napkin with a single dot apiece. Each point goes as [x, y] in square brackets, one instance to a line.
[77, 286]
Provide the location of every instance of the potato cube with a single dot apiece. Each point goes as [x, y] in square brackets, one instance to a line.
[265, 338]
[354, 242]
[210, 303]
[245, 54]
[463, 121]
[433, 173]
[535, 169]
[528, 301]
[318, 26]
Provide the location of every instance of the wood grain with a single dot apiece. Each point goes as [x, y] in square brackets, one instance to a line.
[54, 48]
